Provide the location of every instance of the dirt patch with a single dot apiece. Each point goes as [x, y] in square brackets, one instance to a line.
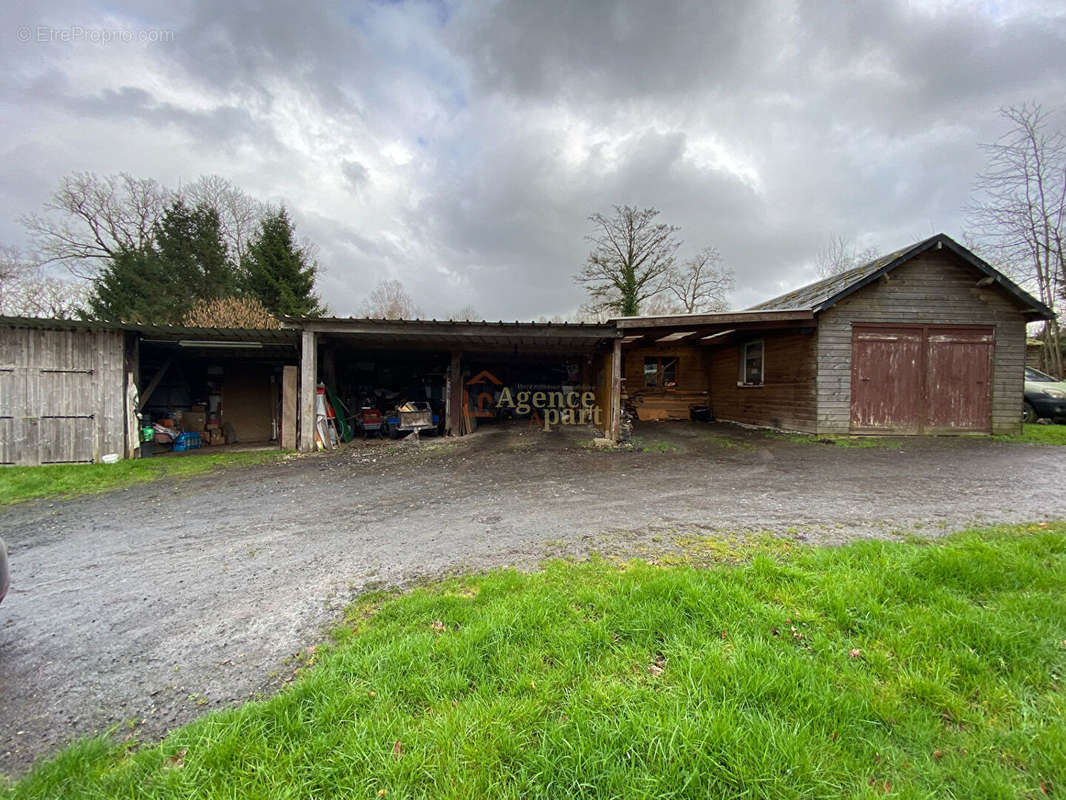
[151, 605]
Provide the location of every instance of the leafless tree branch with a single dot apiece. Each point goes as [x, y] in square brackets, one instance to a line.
[1018, 212]
[390, 300]
[702, 284]
[630, 258]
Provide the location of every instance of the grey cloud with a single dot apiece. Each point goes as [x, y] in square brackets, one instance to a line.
[219, 126]
[522, 118]
[355, 173]
[623, 49]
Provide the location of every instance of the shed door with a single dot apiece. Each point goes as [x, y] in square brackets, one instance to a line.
[959, 388]
[886, 380]
[10, 415]
[67, 427]
[915, 379]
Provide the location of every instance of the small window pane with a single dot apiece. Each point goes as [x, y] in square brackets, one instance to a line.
[669, 372]
[753, 362]
[651, 372]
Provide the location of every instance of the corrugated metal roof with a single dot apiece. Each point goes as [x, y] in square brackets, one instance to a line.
[58, 324]
[169, 332]
[469, 336]
[399, 323]
[266, 335]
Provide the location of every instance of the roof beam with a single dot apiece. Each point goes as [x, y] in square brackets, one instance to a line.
[728, 318]
[476, 332]
[678, 336]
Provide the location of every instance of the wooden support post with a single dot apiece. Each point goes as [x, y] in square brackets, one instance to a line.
[152, 384]
[290, 402]
[133, 380]
[616, 391]
[133, 428]
[454, 401]
[308, 387]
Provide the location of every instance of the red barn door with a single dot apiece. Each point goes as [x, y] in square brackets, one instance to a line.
[921, 379]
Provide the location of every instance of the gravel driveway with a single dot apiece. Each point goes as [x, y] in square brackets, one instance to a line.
[154, 604]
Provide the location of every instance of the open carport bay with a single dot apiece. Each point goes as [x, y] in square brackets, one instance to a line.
[152, 605]
[460, 369]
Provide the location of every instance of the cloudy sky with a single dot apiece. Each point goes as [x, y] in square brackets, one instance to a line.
[460, 146]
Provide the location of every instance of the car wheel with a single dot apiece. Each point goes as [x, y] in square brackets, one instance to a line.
[1028, 412]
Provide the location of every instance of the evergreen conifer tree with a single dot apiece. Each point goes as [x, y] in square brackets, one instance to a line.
[280, 273]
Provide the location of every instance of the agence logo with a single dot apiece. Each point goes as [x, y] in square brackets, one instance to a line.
[546, 408]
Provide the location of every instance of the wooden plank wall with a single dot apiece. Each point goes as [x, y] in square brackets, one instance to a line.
[248, 401]
[786, 400]
[62, 395]
[935, 288]
[289, 402]
[665, 403]
[601, 369]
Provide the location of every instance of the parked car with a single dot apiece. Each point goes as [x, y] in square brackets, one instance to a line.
[1045, 397]
[5, 576]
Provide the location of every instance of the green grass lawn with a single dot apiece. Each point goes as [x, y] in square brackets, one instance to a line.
[1031, 434]
[70, 480]
[1039, 434]
[842, 441]
[914, 670]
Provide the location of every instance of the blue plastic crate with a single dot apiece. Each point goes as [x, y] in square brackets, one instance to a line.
[188, 441]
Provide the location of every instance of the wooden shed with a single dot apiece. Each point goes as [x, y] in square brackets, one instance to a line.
[928, 339]
[62, 392]
[73, 392]
[444, 357]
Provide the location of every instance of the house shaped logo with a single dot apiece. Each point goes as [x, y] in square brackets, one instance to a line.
[484, 386]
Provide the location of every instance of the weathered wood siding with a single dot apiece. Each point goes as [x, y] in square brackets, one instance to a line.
[602, 383]
[62, 395]
[247, 401]
[935, 288]
[786, 399]
[660, 402]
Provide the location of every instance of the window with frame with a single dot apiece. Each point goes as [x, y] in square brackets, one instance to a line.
[660, 372]
[751, 363]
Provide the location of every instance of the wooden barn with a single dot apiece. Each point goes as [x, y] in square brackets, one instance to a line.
[74, 392]
[929, 339]
[62, 392]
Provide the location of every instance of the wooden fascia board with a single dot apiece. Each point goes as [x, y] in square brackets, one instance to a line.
[685, 323]
[456, 333]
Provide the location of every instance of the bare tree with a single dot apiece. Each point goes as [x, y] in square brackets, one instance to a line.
[701, 284]
[839, 255]
[593, 314]
[390, 300]
[230, 312]
[1019, 211]
[663, 304]
[238, 212]
[91, 218]
[27, 290]
[631, 256]
[465, 313]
